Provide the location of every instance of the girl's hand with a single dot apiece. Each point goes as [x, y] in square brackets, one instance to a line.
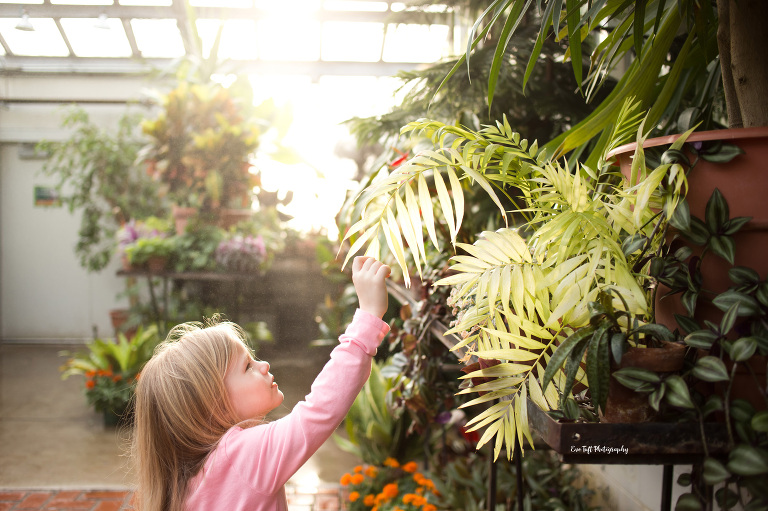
[369, 276]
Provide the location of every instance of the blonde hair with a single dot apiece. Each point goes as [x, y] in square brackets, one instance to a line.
[182, 410]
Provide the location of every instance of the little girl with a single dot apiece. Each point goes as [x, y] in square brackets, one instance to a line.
[201, 442]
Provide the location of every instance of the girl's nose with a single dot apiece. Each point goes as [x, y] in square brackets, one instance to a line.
[264, 366]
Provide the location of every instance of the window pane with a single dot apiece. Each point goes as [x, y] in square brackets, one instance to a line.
[158, 38]
[292, 40]
[89, 41]
[358, 42]
[146, 2]
[45, 41]
[21, 2]
[221, 3]
[415, 43]
[238, 39]
[353, 5]
[82, 2]
[296, 7]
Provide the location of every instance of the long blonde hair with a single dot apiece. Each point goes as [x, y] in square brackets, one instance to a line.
[182, 410]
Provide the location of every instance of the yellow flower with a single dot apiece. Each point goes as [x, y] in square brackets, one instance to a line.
[391, 462]
[411, 467]
[354, 496]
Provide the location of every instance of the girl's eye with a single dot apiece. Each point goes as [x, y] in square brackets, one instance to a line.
[249, 366]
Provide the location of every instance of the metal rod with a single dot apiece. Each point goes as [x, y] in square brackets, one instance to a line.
[491, 484]
[519, 473]
[666, 488]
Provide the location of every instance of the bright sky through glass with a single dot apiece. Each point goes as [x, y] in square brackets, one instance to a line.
[88, 39]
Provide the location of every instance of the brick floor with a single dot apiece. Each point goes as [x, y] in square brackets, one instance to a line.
[324, 499]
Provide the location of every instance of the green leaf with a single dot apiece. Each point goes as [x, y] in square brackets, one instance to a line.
[760, 421]
[729, 319]
[724, 246]
[713, 404]
[743, 349]
[684, 479]
[677, 392]
[710, 369]
[572, 364]
[743, 276]
[725, 153]
[598, 366]
[655, 330]
[656, 396]
[733, 225]
[618, 346]
[745, 460]
[714, 472]
[681, 218]
[747, 305]
[703, 339]
[686, 323]
[688, 502]
[717, 212]
[697, 233]
[561, 353]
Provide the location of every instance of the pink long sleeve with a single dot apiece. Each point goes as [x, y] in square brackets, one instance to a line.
[250, 466]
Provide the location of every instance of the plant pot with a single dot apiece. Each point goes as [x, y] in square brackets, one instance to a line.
[118, 317]
[743, 182]
[627, 406]
[181, 217]
[157, 264]
[231, 217]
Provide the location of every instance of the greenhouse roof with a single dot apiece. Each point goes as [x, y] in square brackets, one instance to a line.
[309, 37]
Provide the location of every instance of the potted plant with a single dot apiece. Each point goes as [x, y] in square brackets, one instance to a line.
[152, 252]
[97, 174]
[200, 147]
[241, 254]
[111, 370]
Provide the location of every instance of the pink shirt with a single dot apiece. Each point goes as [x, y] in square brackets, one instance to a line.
[249, 467]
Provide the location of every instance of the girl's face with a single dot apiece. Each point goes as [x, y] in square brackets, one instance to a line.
[251, 388]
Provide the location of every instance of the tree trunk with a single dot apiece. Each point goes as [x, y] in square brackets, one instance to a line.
[742, 40]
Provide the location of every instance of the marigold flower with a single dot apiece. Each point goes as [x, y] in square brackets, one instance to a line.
[411, 467]
[357, 478]
[346, 479]
[90, 384]
[358, 469]
[354, 496]
[419, 478]
[371, 471]
[390, 490]
[116, 378]
[369, 500]
[90, 374]
[429, 507]
[391, 462]
[409, 497]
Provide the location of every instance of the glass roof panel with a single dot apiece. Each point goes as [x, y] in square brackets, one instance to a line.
[354, 5]
[238, 39]
[146, 2]
[293, 6]
[81, 2]
[158, 38]
[221, 3]
[415, 43]
[88, 39]
[45, 40]
[368, 39]
[21, 1]
[295, 42]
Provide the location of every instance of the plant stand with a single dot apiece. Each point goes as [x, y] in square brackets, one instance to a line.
[650, 443]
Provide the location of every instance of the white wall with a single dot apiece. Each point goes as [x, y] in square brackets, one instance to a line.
[44, 293]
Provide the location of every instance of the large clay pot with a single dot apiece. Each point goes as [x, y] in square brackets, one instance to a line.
[627, 406]
[743, 182]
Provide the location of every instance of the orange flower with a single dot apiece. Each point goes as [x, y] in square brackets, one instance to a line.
[411, 467]
[116, 378]
[371, 471]
[391, 462]
[90, 384]
[358, 469]
[369, 500]
[409, 498]
[419, 478]
[90, 374]
[358, 478]
[390, 490]
[429, 507]
[346, 479]
[354, 496]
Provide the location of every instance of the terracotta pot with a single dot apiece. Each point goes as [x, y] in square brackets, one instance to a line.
[181, 217]
[231, 217]
[118, 317]
[626, 406]
[157, 264]
[743, 182]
